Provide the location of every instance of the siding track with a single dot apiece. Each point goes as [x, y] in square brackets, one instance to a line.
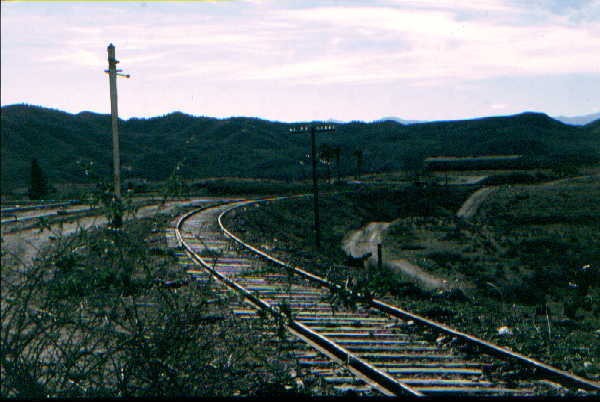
[373, 348]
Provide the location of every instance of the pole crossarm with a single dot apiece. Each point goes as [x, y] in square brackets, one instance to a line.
[320, 128]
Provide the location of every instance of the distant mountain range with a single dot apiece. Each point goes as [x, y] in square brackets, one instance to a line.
[65, 144]
[572, 120]
[579, 120]
[401, 121]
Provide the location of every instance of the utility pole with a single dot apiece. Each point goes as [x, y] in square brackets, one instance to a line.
[113, 72]
[337, 151]
[313, 154]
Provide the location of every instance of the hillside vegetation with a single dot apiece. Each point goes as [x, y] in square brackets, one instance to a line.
[65, 145]
[528, 261]
[534, 250]
[531, 242]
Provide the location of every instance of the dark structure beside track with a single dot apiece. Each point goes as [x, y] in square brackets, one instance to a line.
[489, 162]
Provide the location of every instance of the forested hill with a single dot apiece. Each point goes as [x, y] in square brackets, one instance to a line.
[207, 147]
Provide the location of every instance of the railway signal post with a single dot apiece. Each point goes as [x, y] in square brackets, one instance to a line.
[313, 129]
[113, 72]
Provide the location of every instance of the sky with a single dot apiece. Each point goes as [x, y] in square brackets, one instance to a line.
[307, 60]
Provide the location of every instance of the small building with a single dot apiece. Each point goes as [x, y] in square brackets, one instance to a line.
[483, 162]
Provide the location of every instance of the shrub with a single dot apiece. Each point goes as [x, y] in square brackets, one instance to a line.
[90, 320]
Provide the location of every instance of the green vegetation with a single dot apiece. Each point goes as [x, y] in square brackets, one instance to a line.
[288, 224]
[475, 163]
[92, 318]
[248, 187]
[529, 261]
[39, 184]
[205, 147]
[532, 253]
[285, 229]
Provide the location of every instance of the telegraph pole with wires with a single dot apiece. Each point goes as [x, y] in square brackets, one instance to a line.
[113, 72]
[313, 155]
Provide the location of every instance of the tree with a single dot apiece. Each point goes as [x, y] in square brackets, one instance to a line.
[175, 186]
[326, 156]
[39, 184]
[337, 151]
[565, 167]
[358, 154]
[414, 164]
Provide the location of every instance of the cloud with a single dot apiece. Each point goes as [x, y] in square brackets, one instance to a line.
[395, 40]
[438, 44]
[76, 57]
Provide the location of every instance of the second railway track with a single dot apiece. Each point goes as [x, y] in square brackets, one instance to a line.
[372, 348]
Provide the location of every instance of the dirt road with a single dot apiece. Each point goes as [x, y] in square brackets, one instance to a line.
[469, 208]
[360, 242]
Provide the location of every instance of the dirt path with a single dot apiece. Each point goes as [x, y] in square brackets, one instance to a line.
[360, 242]
[469, 208]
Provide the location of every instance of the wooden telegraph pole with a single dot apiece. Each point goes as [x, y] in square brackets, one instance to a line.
[313, 147]
[113, 72]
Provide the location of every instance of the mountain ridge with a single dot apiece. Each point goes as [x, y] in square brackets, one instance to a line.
[579, 120]
[251, 147]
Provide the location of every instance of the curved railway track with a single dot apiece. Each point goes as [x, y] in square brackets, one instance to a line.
[374, 348]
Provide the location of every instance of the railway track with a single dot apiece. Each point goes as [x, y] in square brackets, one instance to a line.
[27, 217]
[29, 206]
[374, 348]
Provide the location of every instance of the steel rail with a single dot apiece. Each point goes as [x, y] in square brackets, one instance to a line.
[383, 380]
[18, 224]
[38, 206]
[560, 376]
[16, 218]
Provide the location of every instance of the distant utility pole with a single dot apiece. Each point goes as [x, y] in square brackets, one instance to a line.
[313, 154]
[113, 72]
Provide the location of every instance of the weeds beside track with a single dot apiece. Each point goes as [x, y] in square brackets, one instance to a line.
[395, 351]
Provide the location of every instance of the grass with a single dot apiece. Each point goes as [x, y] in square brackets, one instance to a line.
[530, 259]
[287, 225]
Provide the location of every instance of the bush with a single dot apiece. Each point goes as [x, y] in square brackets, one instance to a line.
[445, 258]
[89, 319]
